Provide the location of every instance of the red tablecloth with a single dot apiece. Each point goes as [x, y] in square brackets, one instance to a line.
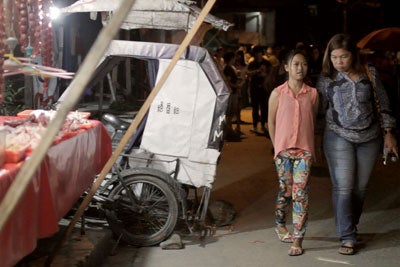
[65, 173]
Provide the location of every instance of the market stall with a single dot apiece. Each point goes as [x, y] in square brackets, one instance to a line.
[26, 176]
[67, 170]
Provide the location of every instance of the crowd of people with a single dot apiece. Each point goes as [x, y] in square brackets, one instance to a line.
[252, 72]
[309, 99]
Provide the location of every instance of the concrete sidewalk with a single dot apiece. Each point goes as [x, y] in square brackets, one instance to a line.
[246, 178]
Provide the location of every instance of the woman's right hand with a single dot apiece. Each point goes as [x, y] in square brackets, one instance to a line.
[390, 144]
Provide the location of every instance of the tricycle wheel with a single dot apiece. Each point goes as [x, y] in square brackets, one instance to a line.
[158, 213]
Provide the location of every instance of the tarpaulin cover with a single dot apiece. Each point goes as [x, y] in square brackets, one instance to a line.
[67, 170]
[154, 14]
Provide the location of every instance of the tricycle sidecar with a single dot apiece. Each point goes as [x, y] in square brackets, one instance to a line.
[175, 148]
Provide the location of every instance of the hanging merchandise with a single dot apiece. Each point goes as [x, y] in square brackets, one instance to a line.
[2, 51]
[26, 26]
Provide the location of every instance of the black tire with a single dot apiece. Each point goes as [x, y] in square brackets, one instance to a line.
[159, 213]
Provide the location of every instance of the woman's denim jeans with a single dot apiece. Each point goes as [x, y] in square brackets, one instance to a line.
[350, 166]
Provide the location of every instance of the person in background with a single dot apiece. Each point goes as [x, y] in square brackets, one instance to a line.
[234, 84]
[268, 84]
[353, 131]
[271, 57]
[241, 70]
[292, 113]
[315, 64]
[258, 91]
[280, 73]
[219, 58]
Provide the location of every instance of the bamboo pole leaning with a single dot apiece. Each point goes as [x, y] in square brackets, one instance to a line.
[138, 118]
[78, 84]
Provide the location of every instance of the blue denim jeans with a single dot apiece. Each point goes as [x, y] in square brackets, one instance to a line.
[350, 167]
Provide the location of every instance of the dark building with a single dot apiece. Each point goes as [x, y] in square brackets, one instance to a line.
[314, 21]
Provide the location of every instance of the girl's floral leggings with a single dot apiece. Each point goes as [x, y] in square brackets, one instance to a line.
[293, 166]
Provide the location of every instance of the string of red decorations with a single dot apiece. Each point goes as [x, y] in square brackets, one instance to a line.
[2, 51]
[29, 22]
[48, 40]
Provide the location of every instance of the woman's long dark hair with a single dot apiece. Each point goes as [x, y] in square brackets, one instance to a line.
[341, 41]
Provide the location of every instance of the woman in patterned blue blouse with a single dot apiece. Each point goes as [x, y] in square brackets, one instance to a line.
[353, 129]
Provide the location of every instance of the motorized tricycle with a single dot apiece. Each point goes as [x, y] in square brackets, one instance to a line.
[173, 153]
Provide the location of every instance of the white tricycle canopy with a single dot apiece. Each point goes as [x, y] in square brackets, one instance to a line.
[186, 118]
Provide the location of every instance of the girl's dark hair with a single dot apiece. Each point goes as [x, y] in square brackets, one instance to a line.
[290, 55]
[341, 41]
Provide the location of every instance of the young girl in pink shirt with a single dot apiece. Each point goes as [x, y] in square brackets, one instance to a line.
[291, 117]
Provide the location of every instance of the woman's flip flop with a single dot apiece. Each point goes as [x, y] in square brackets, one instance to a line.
[347, 249]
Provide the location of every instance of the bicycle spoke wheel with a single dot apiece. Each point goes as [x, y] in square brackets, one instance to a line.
[158, 213]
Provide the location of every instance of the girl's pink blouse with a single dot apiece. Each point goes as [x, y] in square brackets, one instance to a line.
[295, 119]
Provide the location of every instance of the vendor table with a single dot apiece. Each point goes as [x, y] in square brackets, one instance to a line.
[67, 170]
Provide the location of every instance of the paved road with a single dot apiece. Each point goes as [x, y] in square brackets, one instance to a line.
[246, 178]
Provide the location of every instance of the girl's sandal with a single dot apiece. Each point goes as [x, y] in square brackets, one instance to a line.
[285, 238]
[295, 251]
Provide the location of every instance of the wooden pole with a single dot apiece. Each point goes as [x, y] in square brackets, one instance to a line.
[138, 118]
[30, 166]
